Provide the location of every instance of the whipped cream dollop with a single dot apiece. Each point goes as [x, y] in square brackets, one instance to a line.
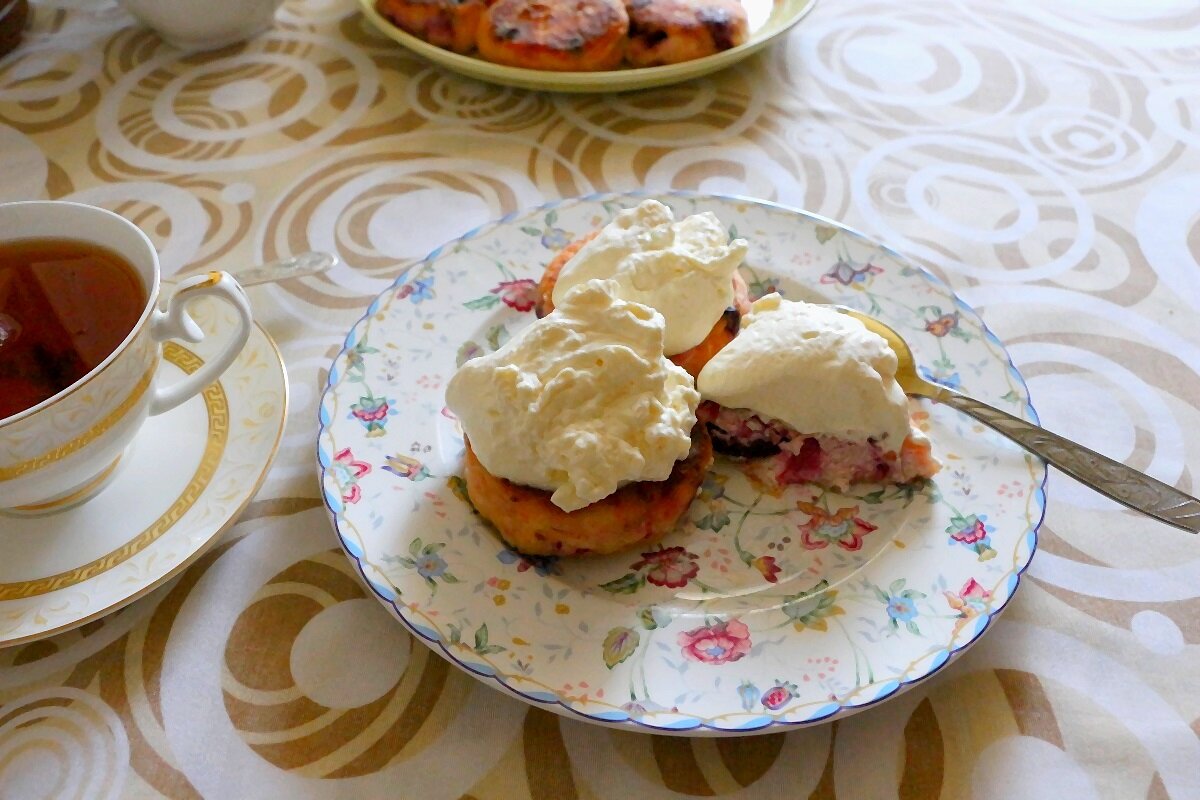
[819, 371]
[682, 269]
[579, 403]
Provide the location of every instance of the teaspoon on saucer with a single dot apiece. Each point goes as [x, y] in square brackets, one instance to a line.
[1111, 478]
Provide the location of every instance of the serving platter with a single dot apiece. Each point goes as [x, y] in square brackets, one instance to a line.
[769, 19]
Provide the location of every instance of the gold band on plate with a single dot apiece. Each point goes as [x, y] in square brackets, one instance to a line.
[217, 405]
[85, 438]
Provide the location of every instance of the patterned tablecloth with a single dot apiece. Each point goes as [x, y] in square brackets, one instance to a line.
[1041, 157]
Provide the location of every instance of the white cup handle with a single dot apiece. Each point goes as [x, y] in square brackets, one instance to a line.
[176, 323]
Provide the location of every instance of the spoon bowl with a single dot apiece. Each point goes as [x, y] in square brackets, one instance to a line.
[1113, 479]
[906, 368]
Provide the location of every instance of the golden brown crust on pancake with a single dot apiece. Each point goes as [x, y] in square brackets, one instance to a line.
[635, 515]
[559, 35]
[450, 24]
[672, 31]
[545, 301]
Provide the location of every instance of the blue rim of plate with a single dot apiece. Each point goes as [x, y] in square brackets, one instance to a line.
[619, 719]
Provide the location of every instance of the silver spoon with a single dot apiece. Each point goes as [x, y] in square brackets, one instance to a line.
[1124, 484]
[298, 266]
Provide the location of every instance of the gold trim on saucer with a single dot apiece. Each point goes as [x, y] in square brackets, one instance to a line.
[217, 405]
[199, 551]
[83, 439]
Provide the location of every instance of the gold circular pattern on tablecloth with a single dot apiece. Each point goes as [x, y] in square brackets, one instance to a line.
[247, 106]
[194, 222]
[696, 112]
[268, 706]
[368, 204]
[437, 96]
[1039, 157]
[63, 743]
[932, 71]
[983, 192]
[49, 84]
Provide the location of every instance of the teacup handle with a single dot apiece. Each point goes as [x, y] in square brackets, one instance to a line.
[176, 323]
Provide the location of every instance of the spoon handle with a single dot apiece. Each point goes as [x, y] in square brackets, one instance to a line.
[1124, 484]
[297, 266]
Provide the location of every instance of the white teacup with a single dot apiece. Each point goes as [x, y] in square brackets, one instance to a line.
[204, 24]
[61, 451]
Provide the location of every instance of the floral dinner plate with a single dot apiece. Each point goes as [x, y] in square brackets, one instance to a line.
[766, 608]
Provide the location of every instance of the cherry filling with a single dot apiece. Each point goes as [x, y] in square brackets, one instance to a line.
[795, 457]
[824, 459]
[802, 466]
[740, 433]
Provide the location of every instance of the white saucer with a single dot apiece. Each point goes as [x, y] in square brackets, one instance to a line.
[186, 478]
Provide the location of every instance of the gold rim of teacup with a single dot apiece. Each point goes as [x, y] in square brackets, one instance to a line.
[14, 471]
[69, 497]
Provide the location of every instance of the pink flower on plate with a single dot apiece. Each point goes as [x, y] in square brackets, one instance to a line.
[843, 528]
[971, 530]
[373, 414]
[348, 470]
[721, 643]
[354, 466]
[971, 600]
[672, 567]
[767, 566]
[972, 590]
[520, 295]
[778, 695]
